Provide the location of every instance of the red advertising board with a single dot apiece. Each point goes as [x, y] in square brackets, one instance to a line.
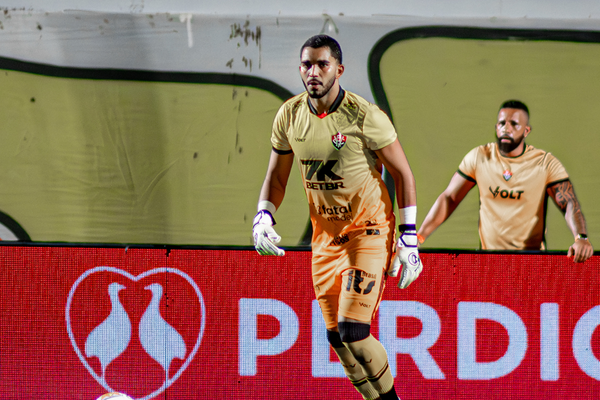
[77, 322]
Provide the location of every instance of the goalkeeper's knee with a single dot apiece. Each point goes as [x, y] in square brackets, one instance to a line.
[334, 339]
[370, 354]
[353, 331]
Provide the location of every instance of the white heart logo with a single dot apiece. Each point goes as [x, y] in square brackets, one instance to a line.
[157, 290]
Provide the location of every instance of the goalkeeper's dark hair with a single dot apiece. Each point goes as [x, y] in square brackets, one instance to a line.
[516, 104]
[319, 41]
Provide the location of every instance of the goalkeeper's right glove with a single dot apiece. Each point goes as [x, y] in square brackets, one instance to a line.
[265, 237]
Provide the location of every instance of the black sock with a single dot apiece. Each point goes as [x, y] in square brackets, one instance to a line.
[391, 395]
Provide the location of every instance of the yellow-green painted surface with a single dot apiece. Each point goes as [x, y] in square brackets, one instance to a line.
[444, 95]
[171, 163]
[138, 162]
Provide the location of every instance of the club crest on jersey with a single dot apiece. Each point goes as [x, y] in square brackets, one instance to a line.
[507, 175]
[338, 141]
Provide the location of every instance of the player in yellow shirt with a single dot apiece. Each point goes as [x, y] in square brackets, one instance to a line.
[339, 141]
[514, 182]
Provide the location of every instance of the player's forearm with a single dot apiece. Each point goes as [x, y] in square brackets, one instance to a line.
[575, 219]
[273, 193]
[396, 164]
[406, 190]
[439, 212]
[278, 172]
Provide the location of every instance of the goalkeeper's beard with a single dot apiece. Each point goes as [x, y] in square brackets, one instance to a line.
[507, 147]
[323, 92]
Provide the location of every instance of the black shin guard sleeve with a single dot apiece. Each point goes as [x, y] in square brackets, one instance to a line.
[334, 339]
[353, 331]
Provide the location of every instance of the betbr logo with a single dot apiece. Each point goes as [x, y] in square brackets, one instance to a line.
[322, 170]
[121, 325]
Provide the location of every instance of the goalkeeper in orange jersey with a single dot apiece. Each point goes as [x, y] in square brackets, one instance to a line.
[339, 141]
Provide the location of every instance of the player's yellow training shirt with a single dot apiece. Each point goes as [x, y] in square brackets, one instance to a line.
[512, 193]
[345, 192]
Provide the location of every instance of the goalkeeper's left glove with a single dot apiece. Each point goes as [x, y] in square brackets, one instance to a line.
[407, 257]
[265, 237]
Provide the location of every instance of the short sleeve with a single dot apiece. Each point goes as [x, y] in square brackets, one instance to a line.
[378, 130]
[281, 124]
[556, 171]
[468, 165]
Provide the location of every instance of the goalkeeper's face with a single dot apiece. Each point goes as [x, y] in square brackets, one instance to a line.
[319, 71]
[511, 129]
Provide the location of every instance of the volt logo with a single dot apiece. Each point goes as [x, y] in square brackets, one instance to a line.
[321, 169]
[355, 278]
[505, 194]
[120, 322]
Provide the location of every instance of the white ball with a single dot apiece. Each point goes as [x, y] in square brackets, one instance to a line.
[114, 396]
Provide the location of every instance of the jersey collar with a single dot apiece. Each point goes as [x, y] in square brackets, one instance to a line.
[517, 156]
[336, 104]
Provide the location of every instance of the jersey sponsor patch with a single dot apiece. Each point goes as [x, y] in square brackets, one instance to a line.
[344, 238]
[356, 277]
[321, 170]
[325, 185]
[338, 141]
[505, 194]
[335, 213]
[339, 240]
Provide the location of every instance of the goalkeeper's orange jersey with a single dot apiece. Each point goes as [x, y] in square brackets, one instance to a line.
[346, 195]
[512, 193]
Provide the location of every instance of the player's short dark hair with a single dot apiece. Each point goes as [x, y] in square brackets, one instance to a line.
[319, 41]
[516, 104]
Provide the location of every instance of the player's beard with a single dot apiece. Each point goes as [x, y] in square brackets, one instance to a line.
[506, 148]
[320, 93]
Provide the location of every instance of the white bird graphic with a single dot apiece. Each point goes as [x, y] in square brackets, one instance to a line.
[109, 339]
[160, 340]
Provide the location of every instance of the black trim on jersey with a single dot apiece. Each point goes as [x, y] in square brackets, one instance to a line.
[523, 152]
[556, 182]
[282, 152]
[467, 177]
[336, 103]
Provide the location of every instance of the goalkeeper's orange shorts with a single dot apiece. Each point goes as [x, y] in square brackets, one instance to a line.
[351, 283]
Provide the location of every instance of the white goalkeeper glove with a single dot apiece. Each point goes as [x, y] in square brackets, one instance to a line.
[265, 237]
[407, 257]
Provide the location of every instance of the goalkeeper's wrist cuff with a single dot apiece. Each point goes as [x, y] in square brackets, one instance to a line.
[408, 215]
[261, 215]
[407, 227]
[267, 205]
